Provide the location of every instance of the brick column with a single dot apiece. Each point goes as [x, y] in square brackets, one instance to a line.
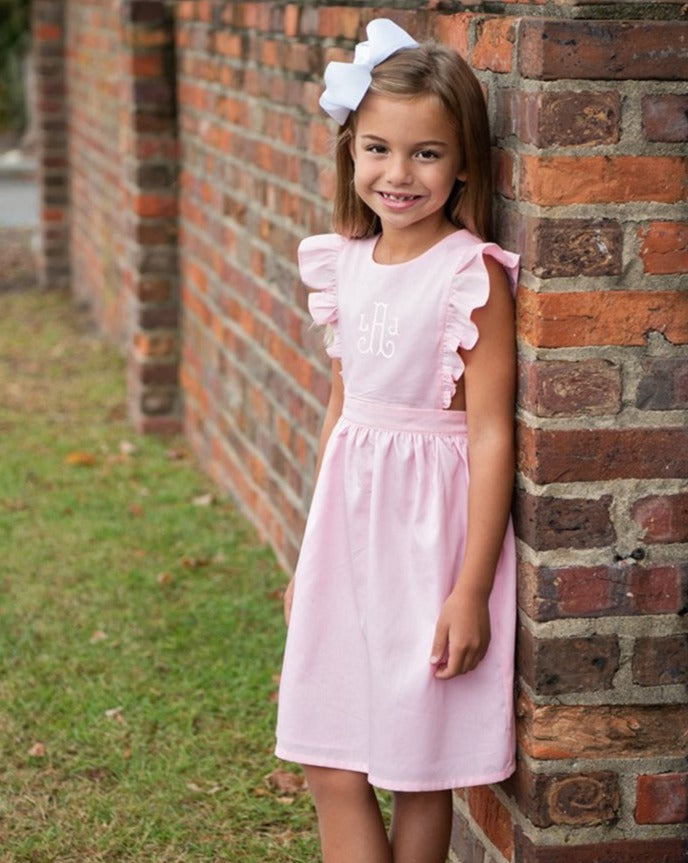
[590, 117]
[50, 117]
[150, 167]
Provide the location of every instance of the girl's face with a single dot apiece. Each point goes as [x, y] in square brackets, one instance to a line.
[406, 160]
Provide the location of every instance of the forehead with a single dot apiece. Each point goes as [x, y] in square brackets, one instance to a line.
[421, 117]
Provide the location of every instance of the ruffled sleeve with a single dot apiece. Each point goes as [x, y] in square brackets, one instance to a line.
[469, 291]
[317, 257]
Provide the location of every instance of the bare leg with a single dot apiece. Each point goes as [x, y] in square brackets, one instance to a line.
[349, 818]
[421, 826]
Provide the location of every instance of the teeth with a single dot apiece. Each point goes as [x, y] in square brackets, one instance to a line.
[397, 197]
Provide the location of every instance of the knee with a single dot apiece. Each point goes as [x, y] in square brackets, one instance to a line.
[342, 785]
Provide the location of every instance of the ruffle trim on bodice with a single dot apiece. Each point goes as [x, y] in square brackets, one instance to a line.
[317, 258]
[469, 291]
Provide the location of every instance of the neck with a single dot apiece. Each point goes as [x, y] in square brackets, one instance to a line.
[396, 247]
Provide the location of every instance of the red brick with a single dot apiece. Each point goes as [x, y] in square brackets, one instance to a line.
[553, 731]
[492, 817]
[454, 30]
[570, 387]
[575, 799]
[665, 117]
[546, 523]
[552, 181]
[627, 850]
[579, 318]
[588, 455]
[664, 518]
[660, 660]
[555, 666]
[663, 385]
[552, 49]
[559, 118]
[625, 588]
[494, 44]
[664, 248]
[662, 799]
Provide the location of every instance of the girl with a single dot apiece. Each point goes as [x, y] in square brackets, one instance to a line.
[399, 659]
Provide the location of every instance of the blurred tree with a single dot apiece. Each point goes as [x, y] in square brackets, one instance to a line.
[15, 37]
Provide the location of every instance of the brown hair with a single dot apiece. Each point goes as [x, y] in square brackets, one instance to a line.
[437, 70]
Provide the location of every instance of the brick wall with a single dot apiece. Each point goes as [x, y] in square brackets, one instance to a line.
[588, 107]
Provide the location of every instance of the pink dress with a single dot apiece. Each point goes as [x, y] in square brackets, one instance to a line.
[386, 530]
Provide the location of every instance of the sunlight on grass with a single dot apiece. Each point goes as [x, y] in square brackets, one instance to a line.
[140, 627]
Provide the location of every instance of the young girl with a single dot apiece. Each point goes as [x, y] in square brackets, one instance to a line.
[399, 659]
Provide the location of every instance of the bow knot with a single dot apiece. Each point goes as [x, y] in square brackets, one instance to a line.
[347, 83]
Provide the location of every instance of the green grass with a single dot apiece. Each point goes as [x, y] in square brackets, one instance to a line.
[140, 631]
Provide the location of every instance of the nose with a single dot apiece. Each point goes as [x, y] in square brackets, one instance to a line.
[398, 170]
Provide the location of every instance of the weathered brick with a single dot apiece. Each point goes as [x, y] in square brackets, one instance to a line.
[552, 248]
[662, 799]
[464, 842]
[555, 49]
[586, 455]
[493, 818]
[620, 851]
[552, 181]
[660, 660]
[575, 799]
[664, 518]
[559, 118]
[625, 588]
[551, 522]
[663, 385]
[494, 45]
[557, 731]
[550, 388]
[664, 248]
[578, 318]
[665, 117]
[554, 666]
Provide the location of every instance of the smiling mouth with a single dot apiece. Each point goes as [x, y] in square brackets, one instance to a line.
[398, 199]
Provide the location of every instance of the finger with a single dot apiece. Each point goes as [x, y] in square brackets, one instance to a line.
[439, 645]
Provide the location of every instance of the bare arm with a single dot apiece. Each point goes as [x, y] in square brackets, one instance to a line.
[332, 414]
[463, 630]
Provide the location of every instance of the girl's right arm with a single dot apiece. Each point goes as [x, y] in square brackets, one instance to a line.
[332, 414]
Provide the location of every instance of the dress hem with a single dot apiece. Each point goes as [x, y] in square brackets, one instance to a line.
[394, 785]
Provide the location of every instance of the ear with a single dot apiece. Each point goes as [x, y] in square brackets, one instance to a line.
[462, 175]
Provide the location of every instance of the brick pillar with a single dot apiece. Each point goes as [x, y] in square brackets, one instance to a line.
[591, 129]
[49, 112]
[150, 167]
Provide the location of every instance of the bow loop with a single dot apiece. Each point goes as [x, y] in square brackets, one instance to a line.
[347, 83]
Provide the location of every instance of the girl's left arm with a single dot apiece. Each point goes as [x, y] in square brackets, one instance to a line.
[462, 634]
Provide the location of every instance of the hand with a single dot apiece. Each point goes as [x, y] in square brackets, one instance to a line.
[288, 600]
[462, 634]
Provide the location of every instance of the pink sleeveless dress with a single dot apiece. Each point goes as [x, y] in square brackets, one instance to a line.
[386, 531]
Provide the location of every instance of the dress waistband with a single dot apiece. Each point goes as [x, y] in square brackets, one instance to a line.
[403, 418]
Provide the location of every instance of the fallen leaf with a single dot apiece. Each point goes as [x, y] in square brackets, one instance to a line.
[165, 578]
[285, 782]
[81, 459]
[203, 500]
[195, 562]
[116, 714]
[135, 509]
[37, 751]
[176, 454]
[127, 447]
[97, 636]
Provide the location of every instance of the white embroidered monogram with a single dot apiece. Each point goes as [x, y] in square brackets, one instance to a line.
[376, 329]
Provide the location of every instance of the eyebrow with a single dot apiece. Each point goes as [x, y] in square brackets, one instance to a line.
[417, 144]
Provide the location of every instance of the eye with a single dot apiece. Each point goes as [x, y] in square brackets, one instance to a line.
[427, 155]
[376, 149]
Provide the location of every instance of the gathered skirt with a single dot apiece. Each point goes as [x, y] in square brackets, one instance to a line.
[381, 552]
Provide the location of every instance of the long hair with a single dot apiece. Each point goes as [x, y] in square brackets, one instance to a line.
[437, 70]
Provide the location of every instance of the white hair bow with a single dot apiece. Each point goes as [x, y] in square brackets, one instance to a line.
[347, 83]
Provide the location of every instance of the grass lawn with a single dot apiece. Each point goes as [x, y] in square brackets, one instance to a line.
[140, 627]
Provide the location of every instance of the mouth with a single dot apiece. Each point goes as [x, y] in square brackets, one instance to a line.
[398, 199]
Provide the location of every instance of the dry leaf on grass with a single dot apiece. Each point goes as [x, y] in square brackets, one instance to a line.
[37, 751]
[81, 459]
[97, 636]
[203, 500]
[285, 782]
